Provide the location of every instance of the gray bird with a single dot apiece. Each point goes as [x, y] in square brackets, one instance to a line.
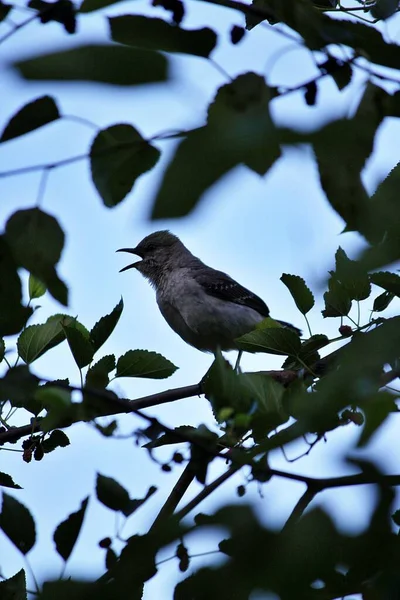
[205, 307]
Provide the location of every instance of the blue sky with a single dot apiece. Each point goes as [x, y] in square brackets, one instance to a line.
[251, 227]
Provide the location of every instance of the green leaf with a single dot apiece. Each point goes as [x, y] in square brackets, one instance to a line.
[17, 523]
[60, 410]
[36, 287]
[14, 588]
[308, 354]
[33, 115]
[337, 300]
[388, 281]
[274, 340]
[35, 340]
[102, 330]
[13, 315]
[80, 345]
[301, 294]
[239, 130]
[67, 532]
[352, 276]
[119, 155]
[19, 387]
[56, 439]
[267, 394]
[382, 301]
[92, 5]
[7, 481]
[36, 241]
[377, 409]
[142, 363]
[97, 376]
[156, 34]
[110, 493]
[117, 65]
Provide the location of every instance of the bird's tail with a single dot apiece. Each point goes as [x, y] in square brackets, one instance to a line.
[290, 326]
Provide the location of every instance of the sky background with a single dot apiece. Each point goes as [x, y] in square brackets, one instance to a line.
[255, 228]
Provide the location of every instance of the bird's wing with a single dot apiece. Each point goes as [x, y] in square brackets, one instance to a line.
[220, 285]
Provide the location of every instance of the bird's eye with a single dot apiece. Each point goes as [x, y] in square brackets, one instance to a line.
[151, 247]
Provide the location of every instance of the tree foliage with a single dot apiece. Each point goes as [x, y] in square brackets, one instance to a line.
[255, 413]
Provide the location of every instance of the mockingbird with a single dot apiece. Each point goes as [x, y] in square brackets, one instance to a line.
[207, 308]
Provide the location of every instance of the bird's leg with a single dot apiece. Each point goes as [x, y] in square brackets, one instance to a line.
[239, 356]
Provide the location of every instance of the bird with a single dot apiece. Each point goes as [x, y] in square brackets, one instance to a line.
[207, 308]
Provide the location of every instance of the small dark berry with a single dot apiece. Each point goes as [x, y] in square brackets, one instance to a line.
[105, 542]
[345, 330]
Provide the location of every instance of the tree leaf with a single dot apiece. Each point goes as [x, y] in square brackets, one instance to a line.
[13, 315]
[337, 300]
[134, 503]
[36, 241]
[352, 276]
[142, 363]
[239, 130]
[36, 287]
[56, 439]
[80, 345]
[383, 9]
[19, 386]
[14, 588]
[376, 410]
[17, 523]
[118, 156]
[274, 340]
[67, 532]
[35, 340]
[60, 410]
[92, 5]
[7, 481]
[4, 10]
[97, 376]
[102, 330]
[301, 294]
[388, 281]
[382, 301]
[33, 115]
[110, 493]
[102, 63]
[156, 34]
[2, 349]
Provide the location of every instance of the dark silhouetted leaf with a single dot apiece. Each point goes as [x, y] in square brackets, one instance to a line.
[17, 523]
[118, 156]
[35, 340]
[383, 9]
[4, 10]
[337, 300]
[352, 276]
[7, 481]
[376, 410]
[97, 375]
[155, 34]
[19, 387]
[36, 287]
[239, 130]
[102, 330]
[33, 115]
[36, 241]
[92, 5]
[14, 588]
[2, 349]
[117, 65]
[60, 11]
[79, 344]
[67, 532]
[142, 363]
[382, 301]
[301, 294]
[13, 315]
[388, 281]
[56, 439]
[110, 493]
[274, 340]
[264, 5]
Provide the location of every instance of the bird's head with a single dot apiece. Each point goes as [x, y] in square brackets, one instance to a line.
[158, 251]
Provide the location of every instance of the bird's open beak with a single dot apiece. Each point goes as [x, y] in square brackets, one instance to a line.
[131, 251]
